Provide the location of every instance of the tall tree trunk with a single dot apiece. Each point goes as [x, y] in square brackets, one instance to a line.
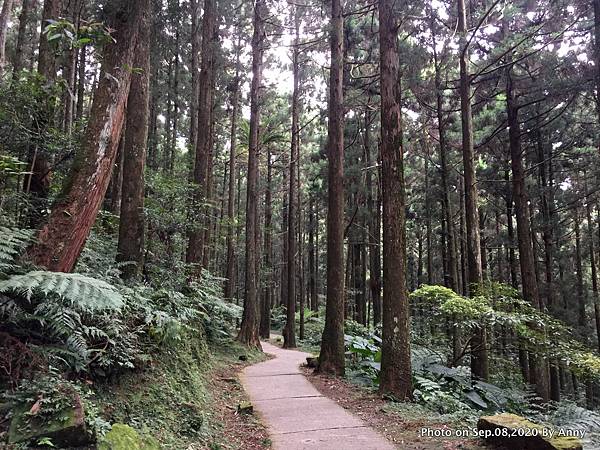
[210, 203]
[547, 206]
[265, 316]
[594, 275]
[289, 334]
[428, 219]
[46, 57]
[597, 59]
[581, 316]
[312, 260]
[195, 248]
[461, 240]
[395, 349]
[70, 71]
[594, 271]
[284, 231]
[81, 75]
[445, 188]
[155, 61]
[451, 277]
[331, 357]
[512, 259]
[251, 316]
[26, 7]
[61, 239]
[194, 63]
[112, 199]
[231, 211]
[526, 259]
[479, 354]
[173, 138]
[300, 228]
[5, 14]
[547, 201]
[130, 246]
[373, 208]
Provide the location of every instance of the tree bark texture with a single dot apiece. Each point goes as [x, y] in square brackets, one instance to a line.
[331, 357]
[61, 239]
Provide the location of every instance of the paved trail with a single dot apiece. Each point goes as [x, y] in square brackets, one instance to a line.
[297, 415]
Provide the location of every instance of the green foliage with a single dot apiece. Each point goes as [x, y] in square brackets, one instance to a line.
[123, 437]
[11, 166]
[97, 326]
[87, 33]
[500, 305]
[81, 292]
[12, 243]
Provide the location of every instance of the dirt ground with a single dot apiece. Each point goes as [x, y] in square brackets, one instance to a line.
[237, 430]
[404, 432]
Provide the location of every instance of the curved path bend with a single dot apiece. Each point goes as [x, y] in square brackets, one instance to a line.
[297, 415]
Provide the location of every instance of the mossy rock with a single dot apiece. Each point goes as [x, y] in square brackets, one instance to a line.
[517, 433]
[123, 437]
[245, 408]
[312, 362]
[64, 428]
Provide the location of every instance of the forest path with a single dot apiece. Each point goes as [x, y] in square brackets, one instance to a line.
[297, 415]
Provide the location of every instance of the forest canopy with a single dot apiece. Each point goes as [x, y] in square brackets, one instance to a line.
[409, 189]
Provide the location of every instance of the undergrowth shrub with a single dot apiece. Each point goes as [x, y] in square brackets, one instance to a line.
[93, 323]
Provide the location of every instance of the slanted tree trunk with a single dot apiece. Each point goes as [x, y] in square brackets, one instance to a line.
[331, 357]
[395, 349]
[195, 248]
[130, 246]
[249, 329]
[479, 353]
[61, 239]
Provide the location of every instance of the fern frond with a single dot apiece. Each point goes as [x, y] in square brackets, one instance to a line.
[60, 320]
[83, 292]
[12, 243]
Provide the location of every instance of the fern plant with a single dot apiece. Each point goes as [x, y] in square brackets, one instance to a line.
[82, 292]
[12, 243]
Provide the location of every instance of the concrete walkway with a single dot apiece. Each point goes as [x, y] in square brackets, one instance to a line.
[297, 415]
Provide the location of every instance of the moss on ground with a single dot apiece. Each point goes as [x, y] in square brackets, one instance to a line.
[123, 437]
[171, 399]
